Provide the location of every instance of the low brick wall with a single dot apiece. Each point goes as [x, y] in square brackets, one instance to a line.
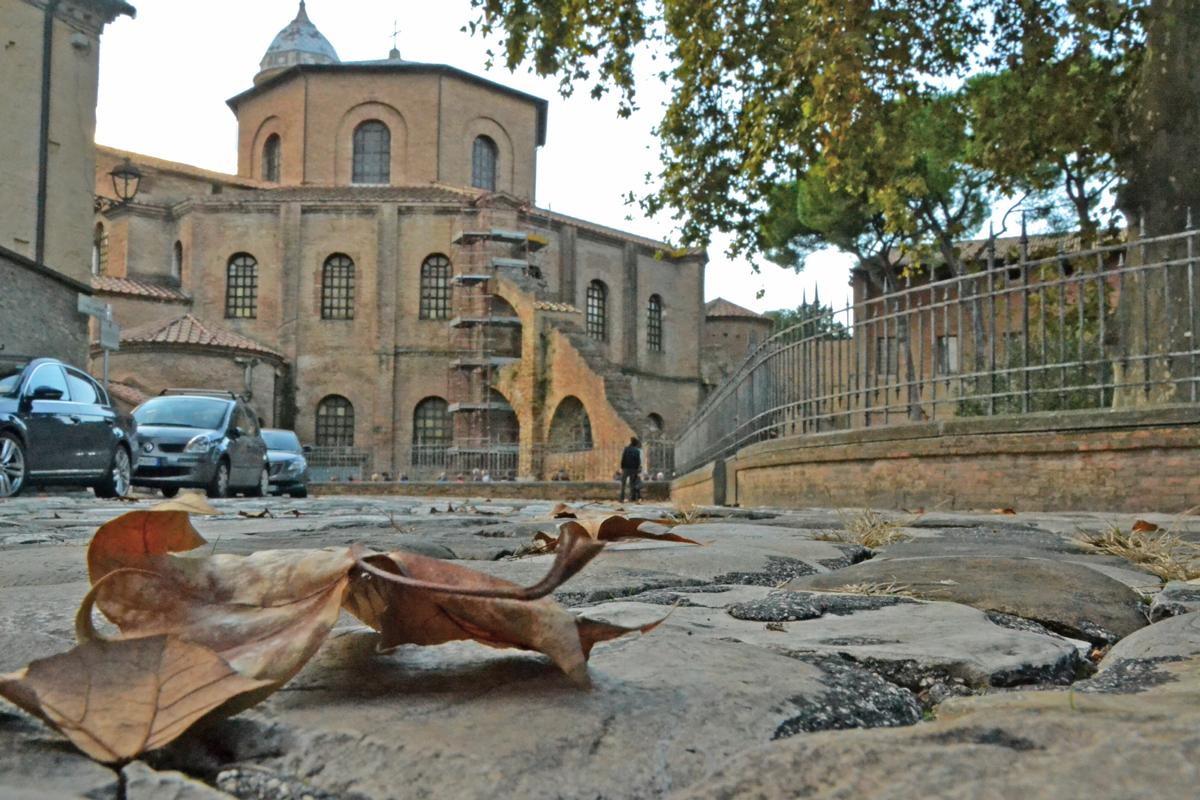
[1130, 461]
[566, 491]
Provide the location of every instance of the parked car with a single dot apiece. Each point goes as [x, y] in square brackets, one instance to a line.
[194, 438]
[58, 427]
[289, 468]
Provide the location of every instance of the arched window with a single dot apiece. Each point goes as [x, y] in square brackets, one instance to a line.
[656, 427]
[270, 159]
[571, 427]
[654, 328]
[177, 261]
[483, 163]
[435, 288]
[337, 288]
[597, 311]
[241, 287]
[432, 432]
[99, 250]
[372, 153]
[335, 422]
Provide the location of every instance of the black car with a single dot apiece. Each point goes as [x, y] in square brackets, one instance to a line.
[200, 439]
[289, 468]
[58, 427]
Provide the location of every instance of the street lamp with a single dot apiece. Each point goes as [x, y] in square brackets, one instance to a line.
[126, 179]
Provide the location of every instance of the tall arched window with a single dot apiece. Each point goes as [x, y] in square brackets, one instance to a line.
[177, 261]
[435, 288]
[484, 154]
[654, 326]
[271, 158]
[99, 250]
[335, 422]
[241, 287]
[432, 432]
[337, 287]
[597, 311]
[372, 153]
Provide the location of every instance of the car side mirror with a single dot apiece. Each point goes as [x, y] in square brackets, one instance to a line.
[46, 393]
[236, 433]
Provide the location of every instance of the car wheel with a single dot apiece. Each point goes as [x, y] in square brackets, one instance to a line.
[170, 491]
[263, 487]
[13, 467]
[120, 476]
[299, 492]
[219, 485]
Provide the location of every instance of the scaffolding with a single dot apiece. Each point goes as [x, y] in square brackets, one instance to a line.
[485, 336]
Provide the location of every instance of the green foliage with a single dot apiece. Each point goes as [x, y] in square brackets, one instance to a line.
[810, 320]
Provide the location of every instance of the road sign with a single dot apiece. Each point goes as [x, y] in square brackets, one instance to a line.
[110, 335]
[93, 307]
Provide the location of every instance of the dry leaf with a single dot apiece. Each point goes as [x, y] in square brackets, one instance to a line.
[1142, 526]
[1003, 511]
[615, 528]
[266, 512]
[191, 503]
[412, 613]
[131, 539]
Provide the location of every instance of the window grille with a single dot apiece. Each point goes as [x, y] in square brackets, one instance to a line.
[483, 164]
[372, 153]
[947, 355]
[335, 422]
[241, 287]
[654, 324]
[337, 288]
[597, 311]
[270, 159]
[432, 433]
[435, 288]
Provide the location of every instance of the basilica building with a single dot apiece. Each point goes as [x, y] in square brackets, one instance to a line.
[379, 277]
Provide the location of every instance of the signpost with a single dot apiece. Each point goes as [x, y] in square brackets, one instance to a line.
[110, 332]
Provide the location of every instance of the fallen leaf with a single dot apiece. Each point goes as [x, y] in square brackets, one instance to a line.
[191, 503]
[266, 512]
[1003, 511]
[616, 528]
[1141, 526]
[132, 538]
[297, 513]
[413, 599]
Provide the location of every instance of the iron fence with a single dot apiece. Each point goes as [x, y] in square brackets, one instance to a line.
[574, 461]
[1018, 332]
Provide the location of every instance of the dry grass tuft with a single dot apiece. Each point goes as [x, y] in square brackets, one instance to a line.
[889, 589]
[1161, 552]
[869, 529]
[687, 514]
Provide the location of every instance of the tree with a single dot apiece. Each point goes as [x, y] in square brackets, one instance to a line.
[810, 319]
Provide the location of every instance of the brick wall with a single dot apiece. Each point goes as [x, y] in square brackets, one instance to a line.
[38, 316]
[1130, 461]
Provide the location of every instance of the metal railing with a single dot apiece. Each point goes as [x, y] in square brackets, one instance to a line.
[1106, 327]
[574, 461]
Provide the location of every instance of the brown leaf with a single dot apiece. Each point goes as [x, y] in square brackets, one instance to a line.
[413, 613]
[266, 614]
[1142, 526]
[116, 700]
[131, 539]
[1003, 511]
[266, 512]
[616, 528]
[191, 503]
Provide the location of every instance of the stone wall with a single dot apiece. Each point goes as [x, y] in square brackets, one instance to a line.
[1131, 461]
[38, 316]
[566, 491]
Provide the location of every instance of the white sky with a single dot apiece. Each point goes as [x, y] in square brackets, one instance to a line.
[165, 76]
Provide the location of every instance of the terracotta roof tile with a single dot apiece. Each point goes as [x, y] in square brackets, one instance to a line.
[179, 168]
[127, 394]
[723, 308]
[419, 193]
[107, 284]
[189, 330]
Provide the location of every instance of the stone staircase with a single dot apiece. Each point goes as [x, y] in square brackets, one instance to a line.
[617, 385]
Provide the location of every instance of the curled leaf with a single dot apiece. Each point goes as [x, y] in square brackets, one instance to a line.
[130, 540]
[1142, 526]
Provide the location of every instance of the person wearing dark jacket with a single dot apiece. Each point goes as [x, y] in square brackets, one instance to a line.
[631, 471]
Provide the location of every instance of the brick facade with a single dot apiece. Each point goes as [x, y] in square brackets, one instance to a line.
[1128, 461]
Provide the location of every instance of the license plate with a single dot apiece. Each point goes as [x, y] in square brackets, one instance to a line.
[145, 461]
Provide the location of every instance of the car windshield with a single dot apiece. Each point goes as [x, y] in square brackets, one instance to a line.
[281, 440]
[10, 376]
[183, 412]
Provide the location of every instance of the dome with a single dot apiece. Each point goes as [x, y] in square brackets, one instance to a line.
[299, 43]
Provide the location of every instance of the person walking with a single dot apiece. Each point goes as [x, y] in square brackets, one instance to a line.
[631, 471]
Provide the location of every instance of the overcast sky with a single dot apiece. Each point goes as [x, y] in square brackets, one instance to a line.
[165, 76]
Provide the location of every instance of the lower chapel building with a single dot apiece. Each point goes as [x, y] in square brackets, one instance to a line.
[378, 277]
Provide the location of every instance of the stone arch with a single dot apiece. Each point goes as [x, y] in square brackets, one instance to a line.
[507, 338]
[571, 427]
[271, 126]
[343, 167]
[505, 162]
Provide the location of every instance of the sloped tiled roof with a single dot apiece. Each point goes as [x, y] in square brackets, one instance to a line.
[179, 168]
[127, 394]
[189, 330]
[419, 193]
[723, 308]
[544, 305]
[107, 284]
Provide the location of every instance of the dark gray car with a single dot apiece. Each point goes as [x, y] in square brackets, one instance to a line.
[199, 439]
[289, 468]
